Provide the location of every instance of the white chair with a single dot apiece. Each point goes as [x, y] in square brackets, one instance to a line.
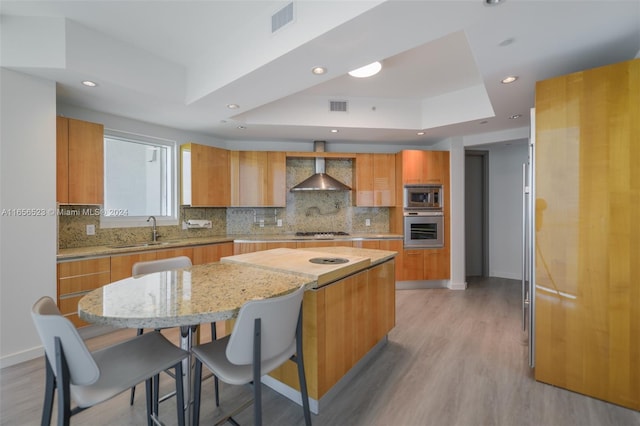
[266, 334]
[91, 378]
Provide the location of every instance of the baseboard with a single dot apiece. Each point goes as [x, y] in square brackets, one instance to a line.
[508, 275]
[420, 284]
[23, 356]
[457, 286]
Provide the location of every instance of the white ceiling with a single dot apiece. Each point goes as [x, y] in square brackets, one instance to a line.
[180, 63]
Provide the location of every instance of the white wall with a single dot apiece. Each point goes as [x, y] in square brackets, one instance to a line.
[27, 181]
[505, 209]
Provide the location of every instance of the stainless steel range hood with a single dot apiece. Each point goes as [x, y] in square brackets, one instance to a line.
[320, 181]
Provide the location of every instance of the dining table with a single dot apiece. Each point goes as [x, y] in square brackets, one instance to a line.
[185, 298]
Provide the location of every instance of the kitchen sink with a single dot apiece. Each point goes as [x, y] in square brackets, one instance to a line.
[149, 244]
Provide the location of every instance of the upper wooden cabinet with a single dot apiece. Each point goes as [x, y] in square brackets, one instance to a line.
[79, 162]
[258, 179]
[205, 176]
[374, 180]
[424, 166]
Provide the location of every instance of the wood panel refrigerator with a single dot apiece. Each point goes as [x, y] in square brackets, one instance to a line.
[585, 270]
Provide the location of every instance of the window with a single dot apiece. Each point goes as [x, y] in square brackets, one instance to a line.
[140, 180]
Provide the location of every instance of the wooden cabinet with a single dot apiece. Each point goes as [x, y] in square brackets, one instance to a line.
[424, 264]
[374, 178]
[424, 166]
[121, 264]
[79, 162]
[211, 253]
[205, 177]
[587, 315]
[258, 179]
[75, 279]
[342, 322]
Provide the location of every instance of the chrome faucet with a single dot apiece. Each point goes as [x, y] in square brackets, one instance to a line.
[154, 232]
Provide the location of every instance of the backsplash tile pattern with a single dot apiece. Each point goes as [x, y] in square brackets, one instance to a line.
[306, 211]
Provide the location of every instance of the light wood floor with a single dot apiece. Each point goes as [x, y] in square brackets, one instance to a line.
[454, 358]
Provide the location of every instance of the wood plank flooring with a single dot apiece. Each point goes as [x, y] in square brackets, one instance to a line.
[454, 358]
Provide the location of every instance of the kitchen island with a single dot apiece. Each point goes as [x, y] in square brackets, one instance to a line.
[346, 315]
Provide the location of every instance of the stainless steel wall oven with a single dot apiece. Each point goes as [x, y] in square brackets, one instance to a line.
[423, 216]
[423, 229]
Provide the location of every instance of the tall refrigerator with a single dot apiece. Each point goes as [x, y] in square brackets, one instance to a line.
[581, 274]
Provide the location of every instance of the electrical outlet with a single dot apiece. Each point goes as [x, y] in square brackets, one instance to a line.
[91, 230]
[261, 223]
[279, 223]
[367, 222]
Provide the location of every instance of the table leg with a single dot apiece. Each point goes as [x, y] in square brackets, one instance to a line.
[186, 342]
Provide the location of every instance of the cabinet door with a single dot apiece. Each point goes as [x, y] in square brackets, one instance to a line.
[211, 253]
[397, 246]
[384, 180]
[413, 265]
[62, 160]
[210, 176]
[121, 265]
[436, 264]
[86, 162]
[258, 179]
[375, 180]
[425, 166]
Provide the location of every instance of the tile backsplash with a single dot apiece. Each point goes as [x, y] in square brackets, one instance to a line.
[306, 211]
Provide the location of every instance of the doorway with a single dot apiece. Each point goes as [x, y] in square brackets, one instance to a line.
[476, 196]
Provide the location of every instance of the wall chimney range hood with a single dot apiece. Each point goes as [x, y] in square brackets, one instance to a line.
[320, 181]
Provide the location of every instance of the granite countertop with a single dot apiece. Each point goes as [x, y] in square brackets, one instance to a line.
[185, 296]
[96, 251]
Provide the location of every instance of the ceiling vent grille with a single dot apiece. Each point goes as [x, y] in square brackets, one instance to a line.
[338, 106]
[282, 17]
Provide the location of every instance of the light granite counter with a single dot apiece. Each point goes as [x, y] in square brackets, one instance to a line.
[182, 297]
[97, 251]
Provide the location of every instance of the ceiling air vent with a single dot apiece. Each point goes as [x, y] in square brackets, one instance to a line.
[282, 17]
[338, 106]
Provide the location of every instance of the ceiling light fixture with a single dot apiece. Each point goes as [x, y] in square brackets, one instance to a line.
[514, 116]
[493, 2]
[318, 70]
[366, 71]
[233, 106]
[242, 127]
[334, 130]
[420, 133]
[90, 83]
[509, 79]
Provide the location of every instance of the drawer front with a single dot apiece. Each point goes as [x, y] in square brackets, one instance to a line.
[84, 267]
[83, 283]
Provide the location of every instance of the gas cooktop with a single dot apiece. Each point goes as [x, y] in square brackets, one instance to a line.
[321, 234]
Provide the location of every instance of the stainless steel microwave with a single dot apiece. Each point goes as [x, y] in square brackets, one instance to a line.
[423, 197]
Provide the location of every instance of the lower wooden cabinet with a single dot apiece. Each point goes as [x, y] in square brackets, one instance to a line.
[342, 322]
[424, 264]
[75, 279]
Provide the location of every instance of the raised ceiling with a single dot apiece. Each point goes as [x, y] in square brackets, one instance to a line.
[180, 63]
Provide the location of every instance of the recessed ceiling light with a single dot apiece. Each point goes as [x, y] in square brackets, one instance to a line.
[509, 79]
[233, 106]
[493, 2]
[514, 116]
[484, 122]
[242, 127]
[334, 130]
[90, 83]
[420, 133]
[366, 71]
[318, 70]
